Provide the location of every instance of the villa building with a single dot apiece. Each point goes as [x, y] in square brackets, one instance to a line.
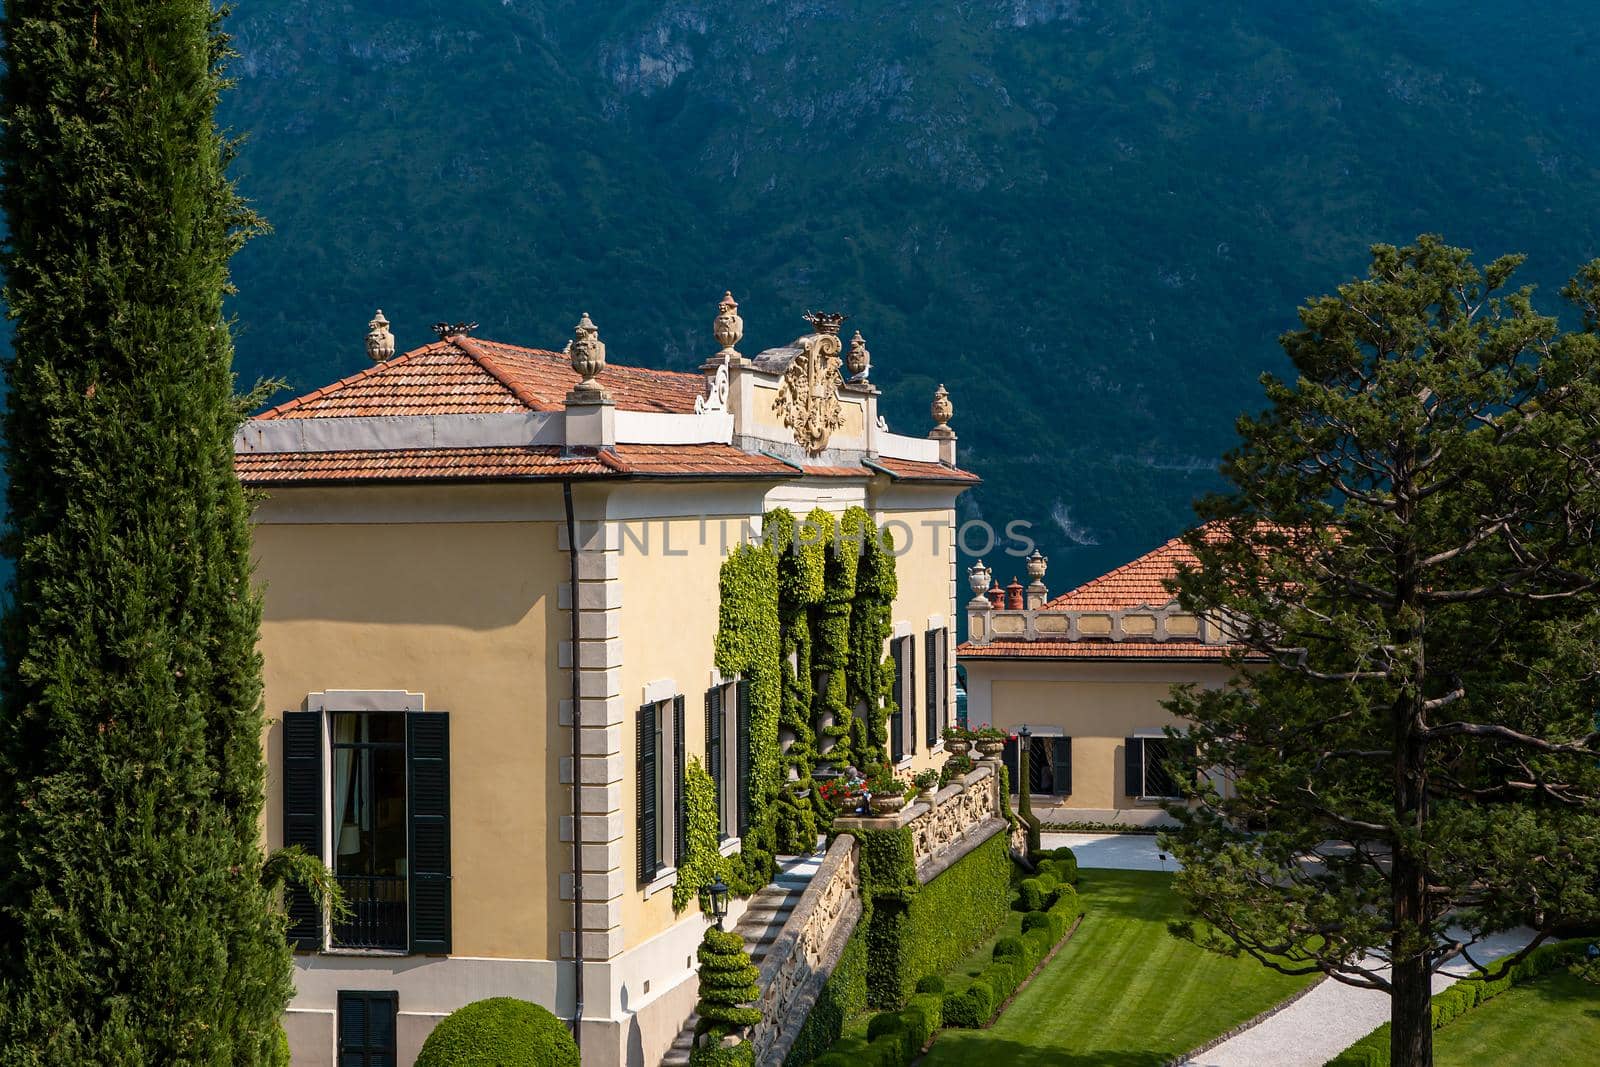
[491, 582]
[1086, 674]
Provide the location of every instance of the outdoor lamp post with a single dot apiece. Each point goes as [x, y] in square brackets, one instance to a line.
[718, 892]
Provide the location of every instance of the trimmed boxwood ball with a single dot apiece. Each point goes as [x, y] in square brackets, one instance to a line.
[1066, 863]
[1036, 920]
[499, 1032]
[933, 983]
[1031, 895]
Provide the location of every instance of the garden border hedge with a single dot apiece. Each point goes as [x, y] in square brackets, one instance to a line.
[1454, 1001]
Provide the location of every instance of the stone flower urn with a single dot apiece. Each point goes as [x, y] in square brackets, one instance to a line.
[957, 746]
[991, 747]
[887, 804]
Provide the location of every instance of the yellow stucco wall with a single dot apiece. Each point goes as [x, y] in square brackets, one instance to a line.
[465, 613]
[1098, 705]
[924, 539]
[669, 626]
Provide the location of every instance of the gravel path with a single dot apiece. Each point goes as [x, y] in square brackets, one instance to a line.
[1121, 852]
[1331, 1018]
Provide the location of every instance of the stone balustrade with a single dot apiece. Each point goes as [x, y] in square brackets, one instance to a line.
[806, 951]
[962, 815]
[1166, 622]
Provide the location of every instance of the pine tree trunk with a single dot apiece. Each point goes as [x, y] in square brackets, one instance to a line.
[1410, 1015]
[134, 926]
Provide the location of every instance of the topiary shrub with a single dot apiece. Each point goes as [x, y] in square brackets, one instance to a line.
[499, 1032]
[1036, 920]
[923, 1015]
[727, 983]
[1066, 863]
[933, 983]
[971, 1007]
[1031, 895]
[1008, 946]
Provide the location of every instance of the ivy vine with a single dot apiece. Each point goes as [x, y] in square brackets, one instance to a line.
[702, 862]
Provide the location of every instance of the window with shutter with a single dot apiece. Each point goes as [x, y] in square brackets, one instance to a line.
[649, 792]
[1012, 763]
[302, 816]
[1158, 781]
[933, 691]
[1133, 767]
[367, 1028]
[680, 818]
[428, 774]
[714, 756]
[1062, 758]
[741, 743]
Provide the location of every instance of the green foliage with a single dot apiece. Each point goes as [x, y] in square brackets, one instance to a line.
[135, 924]
[741, 1055]
[499, 1032]
[915, 930]
[1430, 676]
[727, 985]
[703, 863]
[748, 644]
[931, 983]
[869, 671]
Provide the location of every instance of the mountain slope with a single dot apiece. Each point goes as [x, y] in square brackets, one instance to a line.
[1089, 218]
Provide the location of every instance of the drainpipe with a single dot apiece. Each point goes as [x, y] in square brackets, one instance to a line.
[577, 778]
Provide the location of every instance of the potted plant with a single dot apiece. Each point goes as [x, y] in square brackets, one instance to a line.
[927, 783]
[886, 793]
[957, 740]
[844, 793]
[991, 741]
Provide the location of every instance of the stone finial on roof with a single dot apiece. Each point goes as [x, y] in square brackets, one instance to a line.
[588, 355]
[1038, 594]
[942, 411]
[728, 327]
[380, 341]
[826, 322]
[858, 360]
[978, 578]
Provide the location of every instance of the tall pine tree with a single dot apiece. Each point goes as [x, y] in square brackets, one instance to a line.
[134, 923]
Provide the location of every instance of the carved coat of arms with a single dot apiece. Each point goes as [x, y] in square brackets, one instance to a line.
[808, 397]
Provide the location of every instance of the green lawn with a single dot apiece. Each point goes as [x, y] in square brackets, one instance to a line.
[1552, 1020]
[1123, 992]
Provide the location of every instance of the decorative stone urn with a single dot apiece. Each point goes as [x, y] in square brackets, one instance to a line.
[858, 360]
[927, 795]
[941, 408]
[380, 342]
[1037, 563]
[728, 327]
[887, 804]
[991, 747]
[957, 746]
[587, 352]
[978, 577]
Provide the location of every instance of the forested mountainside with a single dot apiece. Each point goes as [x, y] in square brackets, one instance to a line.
[1090, 219]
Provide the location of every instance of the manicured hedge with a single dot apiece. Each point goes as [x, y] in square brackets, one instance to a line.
[916, 930]
[1460, 998]
[1015, 958]
[499, 1032]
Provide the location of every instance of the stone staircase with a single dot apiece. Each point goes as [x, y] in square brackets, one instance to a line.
[760, 925]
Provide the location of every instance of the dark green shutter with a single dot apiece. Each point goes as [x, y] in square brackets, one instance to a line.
[1061, 757]
[1013, 765]
[741, 743]
[714, 754]
[649, 790]
[897, 744]
[302, 816]
[1133, 767]
[680, 818]
[367, 1029]
[428, 783]
[931, 697]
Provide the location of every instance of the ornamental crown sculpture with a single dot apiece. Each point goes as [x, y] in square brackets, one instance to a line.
[380, 341]
[728, 327]
[588, 354]
[826, 322]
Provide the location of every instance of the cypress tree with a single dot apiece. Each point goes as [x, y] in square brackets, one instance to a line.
[135, 924]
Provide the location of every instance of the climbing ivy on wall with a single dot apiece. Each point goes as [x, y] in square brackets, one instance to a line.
[869, 673]
[747, 646]
[702, 862]
[805, 616]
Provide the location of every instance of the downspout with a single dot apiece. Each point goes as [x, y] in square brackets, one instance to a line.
[577, 778]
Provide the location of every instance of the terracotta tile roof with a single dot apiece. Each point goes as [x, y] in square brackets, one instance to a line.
[468, 375]
[1130, 585]
[689, 461]
[504, 463]
[910, 470]
[1097, 649]
[410, 464]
